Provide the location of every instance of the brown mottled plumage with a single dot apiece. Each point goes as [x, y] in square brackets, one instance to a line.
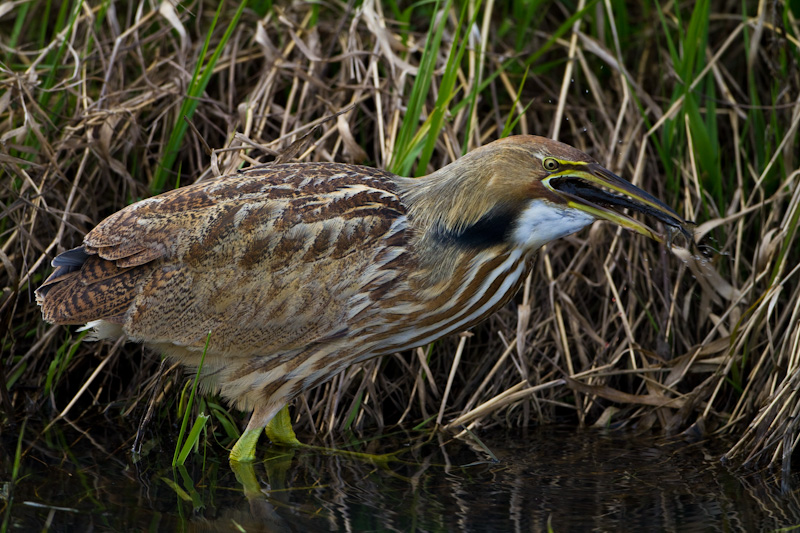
[300, 270]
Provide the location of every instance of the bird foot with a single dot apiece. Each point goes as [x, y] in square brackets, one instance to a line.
[279, 430]
[244, 451]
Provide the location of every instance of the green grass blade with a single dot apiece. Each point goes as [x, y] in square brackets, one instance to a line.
[401, 160]
[351, 416]
[61, 361]
[17, 29]
[182, 494]
[557, 34]
[225, 420]
[202, 76]
[446, 88]
[188, 410]
[194, 436]
[508, 127]
[62, 48]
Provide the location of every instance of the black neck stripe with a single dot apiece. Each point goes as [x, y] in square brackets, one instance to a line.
[493, 229]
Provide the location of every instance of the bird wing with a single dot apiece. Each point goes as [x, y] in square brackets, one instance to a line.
[266, 259]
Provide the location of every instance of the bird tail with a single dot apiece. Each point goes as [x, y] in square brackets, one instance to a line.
[85, 288]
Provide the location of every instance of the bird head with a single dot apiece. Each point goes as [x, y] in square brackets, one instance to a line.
[527, 191]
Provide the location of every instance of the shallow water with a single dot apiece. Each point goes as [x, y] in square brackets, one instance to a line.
[80, 479]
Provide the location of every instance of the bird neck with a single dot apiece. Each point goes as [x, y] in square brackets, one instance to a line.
[455, 211]
[452, 198]
[448, 229]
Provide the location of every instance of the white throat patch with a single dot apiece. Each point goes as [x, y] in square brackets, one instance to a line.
[542, 222]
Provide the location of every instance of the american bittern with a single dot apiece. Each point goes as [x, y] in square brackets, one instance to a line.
[300, 270]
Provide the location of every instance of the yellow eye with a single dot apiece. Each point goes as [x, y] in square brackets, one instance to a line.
[550, 164]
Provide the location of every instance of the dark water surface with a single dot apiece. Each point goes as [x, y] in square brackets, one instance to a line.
[574, 480]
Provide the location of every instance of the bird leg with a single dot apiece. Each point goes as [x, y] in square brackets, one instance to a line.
[279, 429]
[244, 450]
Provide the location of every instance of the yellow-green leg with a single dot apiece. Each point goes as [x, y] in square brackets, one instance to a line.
[279, 430]
[245, 448]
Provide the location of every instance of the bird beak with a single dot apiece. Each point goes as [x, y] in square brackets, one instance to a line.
[594, 190]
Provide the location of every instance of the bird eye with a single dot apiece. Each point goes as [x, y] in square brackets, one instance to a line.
[550, 164]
